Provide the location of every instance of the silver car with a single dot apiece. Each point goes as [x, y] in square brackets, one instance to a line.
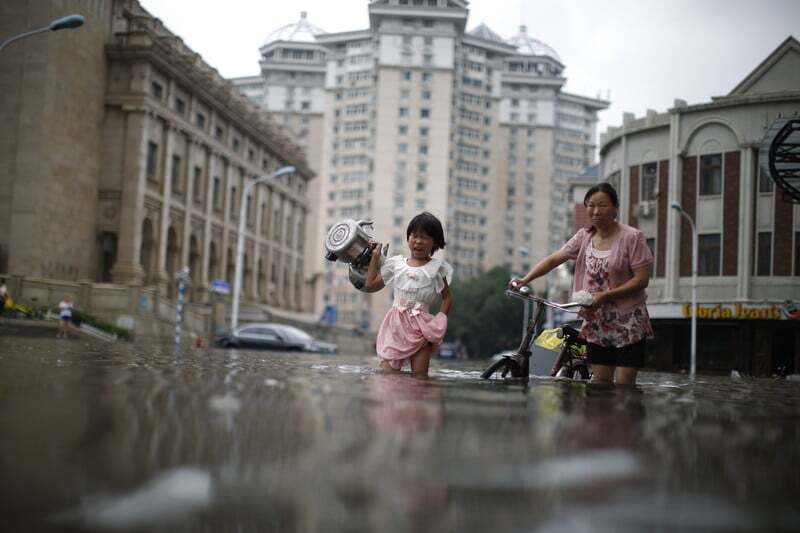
[272, 336]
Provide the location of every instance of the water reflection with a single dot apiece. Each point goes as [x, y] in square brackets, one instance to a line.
[135, 438]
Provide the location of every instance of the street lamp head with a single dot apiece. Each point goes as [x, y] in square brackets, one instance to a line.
[283, 171]
[68, 22]
[676, 206]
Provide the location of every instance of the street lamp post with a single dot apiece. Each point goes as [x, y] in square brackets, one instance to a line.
[237, 281]
[524, 252]
[693, 348]
[68, 22]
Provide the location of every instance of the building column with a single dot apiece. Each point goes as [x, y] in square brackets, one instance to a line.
[210, 168]
[749, 175]
[188, 173]
[128, 269]
[258, 197]
[166, 200]
[672, 270]
[226, 219]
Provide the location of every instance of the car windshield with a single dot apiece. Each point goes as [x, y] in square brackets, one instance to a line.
[294, 333]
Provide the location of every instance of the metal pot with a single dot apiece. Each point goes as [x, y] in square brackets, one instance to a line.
[348, 242]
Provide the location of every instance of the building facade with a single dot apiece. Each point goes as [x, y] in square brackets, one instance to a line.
[419, 114]
[705, 158]
[131, 159]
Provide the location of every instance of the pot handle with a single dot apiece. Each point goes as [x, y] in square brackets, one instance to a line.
[366, 222]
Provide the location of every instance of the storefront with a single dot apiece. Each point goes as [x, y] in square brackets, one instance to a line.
[753, 339]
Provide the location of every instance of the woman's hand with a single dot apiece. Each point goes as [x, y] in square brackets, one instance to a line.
[516, 284]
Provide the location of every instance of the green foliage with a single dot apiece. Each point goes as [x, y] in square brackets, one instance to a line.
[483, 318]
[79, 317]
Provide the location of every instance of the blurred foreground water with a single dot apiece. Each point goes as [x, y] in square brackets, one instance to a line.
[98, 437]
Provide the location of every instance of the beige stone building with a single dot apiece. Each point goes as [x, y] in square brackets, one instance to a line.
[128, 157]
[420, 114]
[705, 158]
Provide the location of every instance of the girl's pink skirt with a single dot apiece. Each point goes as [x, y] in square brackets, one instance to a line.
[404, 332]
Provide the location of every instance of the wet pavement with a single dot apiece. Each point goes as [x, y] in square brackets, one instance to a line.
[123, 437]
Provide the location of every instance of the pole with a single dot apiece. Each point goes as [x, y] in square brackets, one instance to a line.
[693, 349]
[183, 277]
[237, 280]
[693, 343]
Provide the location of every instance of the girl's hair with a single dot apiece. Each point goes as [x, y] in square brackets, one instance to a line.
[602, 187]
[429, 224]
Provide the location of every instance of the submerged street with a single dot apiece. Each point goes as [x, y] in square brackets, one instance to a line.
[135, 437]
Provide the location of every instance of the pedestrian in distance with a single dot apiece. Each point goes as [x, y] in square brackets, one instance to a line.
[612, 264]
[64, 316]
[409, 333]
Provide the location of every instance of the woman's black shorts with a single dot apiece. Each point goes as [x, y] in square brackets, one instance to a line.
[631, 355]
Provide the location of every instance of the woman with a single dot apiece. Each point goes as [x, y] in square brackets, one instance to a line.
[612, 263]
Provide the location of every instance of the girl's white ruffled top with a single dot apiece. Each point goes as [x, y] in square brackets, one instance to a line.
[415, 287]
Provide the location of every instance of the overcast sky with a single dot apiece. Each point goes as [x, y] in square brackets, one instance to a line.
[645, 52]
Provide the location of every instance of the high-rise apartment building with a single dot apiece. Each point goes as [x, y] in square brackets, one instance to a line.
[414, 113]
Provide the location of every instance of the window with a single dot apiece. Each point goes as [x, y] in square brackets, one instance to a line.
[423, 148]
[406, 75]
[402, 130]
[152, 160]
[426, 95]
[765, 183]
[156, 90]
[197, 183]
[219, 132]
[797, 253]
[232, 203]
[403, 111]
[708, 254]
[710, 174]
[426, 77]
[651, 243]
[175, 174]
[200, 119]
[649, 181]
[180, 106]
[764, 251]
[215, 193]
[423, 132]
[425, 112]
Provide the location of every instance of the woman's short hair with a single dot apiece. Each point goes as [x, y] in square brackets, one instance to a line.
[602, 187]
[429, 224]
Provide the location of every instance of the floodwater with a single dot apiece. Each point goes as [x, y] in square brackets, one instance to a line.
[98, 437]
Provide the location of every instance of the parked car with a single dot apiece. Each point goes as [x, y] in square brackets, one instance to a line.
[271, 336]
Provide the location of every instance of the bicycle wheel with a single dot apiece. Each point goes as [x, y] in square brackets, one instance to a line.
[504, 367]
[573, 372]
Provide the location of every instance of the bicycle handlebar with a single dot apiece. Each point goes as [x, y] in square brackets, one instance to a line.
[570, 307]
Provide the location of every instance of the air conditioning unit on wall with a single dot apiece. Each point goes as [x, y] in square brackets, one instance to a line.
[646, 209]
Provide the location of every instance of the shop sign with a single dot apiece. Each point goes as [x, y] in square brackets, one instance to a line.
[727, 311]
[735, 312]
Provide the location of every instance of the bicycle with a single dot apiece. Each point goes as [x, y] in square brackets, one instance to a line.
[570, 362]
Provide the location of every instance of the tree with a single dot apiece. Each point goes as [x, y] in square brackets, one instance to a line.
[483, 318]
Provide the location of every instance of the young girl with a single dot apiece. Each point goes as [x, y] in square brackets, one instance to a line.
[409, 332]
